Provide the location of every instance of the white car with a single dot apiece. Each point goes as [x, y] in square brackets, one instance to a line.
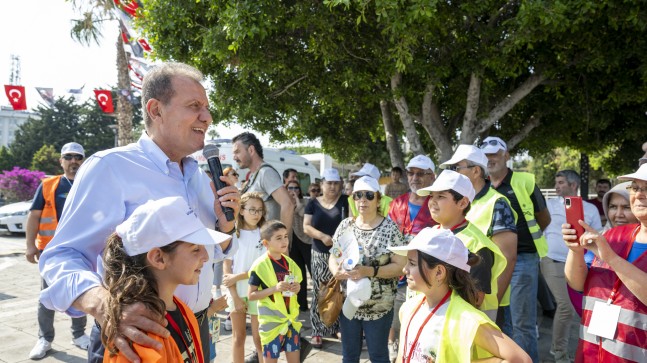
[13, 217]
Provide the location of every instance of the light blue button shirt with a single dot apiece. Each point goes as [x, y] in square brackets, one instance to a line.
[557, 249]
[108, 187]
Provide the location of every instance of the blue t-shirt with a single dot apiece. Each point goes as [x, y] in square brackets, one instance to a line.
[413, 210]
[636, 250]
[62, 190]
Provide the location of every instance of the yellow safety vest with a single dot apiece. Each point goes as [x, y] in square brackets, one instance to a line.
[273, 316]
[385, 204]
[480, 215]
[523, 185]
[475, 240]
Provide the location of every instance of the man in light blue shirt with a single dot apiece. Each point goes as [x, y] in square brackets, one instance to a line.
[112, 183]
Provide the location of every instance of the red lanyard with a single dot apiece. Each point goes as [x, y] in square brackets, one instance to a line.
[618, 282]
[406, 335]
[455, 226]
[194, 336]
[285, 266]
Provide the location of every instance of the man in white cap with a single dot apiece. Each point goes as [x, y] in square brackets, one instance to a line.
[490, 212]
[409, 211]
[44, 214]
[112, 183]
[369, 170]
[533, 217]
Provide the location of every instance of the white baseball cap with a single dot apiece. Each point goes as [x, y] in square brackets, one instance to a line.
[366, 183]
[331, 174]
[439, 243]
[640, 174]
[158, 223]
[421, 162]
[357, 292]
[467, 152]
[73, 148]
[450, 180]
[368, 169]
[492, 145]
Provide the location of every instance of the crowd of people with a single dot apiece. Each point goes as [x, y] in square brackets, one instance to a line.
[443, 268]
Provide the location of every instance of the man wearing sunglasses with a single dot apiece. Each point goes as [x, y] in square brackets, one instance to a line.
[44, 214]
[533, 217]
[490, 212]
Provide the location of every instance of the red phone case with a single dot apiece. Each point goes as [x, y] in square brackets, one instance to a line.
[574, 213]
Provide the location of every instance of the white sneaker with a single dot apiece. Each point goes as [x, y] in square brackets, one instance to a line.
[393, 351]
[40, 349]
[82, 342]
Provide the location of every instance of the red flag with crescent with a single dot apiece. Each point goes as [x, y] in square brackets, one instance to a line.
[16, 96]
[104, 99]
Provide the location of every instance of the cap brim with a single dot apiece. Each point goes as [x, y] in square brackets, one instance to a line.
[426, 191]
[402, 251]
[450, 162]
[205, 237]
[492, 149]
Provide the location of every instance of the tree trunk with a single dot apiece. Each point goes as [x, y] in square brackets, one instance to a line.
[124, 107]
[433, 124]
[406, 118]
[395, 153]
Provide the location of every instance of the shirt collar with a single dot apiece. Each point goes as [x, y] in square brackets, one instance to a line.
[161, 160]
[483, 191]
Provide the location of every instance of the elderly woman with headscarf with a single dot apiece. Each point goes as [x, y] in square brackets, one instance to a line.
[615, 293]
[616, 206]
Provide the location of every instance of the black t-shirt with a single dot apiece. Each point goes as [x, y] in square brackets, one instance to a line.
[62, 190]
[525, 243]
[482, 271]
[326, 220]
[185, 339]
[280, 271]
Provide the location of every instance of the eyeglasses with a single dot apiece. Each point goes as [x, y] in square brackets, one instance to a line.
[253, 211]
[634, 189]
[458, 167]
[492, 143]
[419, 174]
[293, 188]
[315, 190]
[359, 195]
[77, 157]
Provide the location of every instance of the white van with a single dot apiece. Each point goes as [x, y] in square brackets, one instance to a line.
[279, 159]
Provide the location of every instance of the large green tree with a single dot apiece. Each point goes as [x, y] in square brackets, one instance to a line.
[66, 121]
[540, 74]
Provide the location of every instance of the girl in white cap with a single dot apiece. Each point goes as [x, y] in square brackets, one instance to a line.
[441, 323]
[161, 245]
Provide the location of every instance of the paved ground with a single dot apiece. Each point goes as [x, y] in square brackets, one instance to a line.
[19, 289]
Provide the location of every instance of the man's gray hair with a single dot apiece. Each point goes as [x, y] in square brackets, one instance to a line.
[157, 84]
[571, 176]
[484, 171]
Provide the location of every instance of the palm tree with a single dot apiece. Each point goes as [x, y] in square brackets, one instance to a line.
[94, 14]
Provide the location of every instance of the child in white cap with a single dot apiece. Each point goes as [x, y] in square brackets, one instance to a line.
[441, 323]
[161, 245]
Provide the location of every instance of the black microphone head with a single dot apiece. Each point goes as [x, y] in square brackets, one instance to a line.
[210, 151]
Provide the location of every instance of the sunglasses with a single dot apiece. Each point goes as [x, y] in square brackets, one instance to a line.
[315, 190]
[293, 188]
[359, 195]
[491, 143]
[76, 157]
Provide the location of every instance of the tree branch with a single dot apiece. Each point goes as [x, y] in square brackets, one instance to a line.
[278, 93]
[355, 56]
[510, 101]
[533, 122]
[471, 109]
[405, 117]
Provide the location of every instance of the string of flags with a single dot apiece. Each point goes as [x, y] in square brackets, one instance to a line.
[136, 48]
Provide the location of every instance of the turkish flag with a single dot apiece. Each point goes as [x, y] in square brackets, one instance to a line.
[104, 99]
[16, 95]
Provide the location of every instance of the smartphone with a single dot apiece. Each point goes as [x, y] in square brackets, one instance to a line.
[574, 213]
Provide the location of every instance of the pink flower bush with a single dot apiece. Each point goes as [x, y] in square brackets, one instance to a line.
[19, 184]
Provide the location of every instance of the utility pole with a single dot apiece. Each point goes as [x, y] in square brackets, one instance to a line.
[14, 77]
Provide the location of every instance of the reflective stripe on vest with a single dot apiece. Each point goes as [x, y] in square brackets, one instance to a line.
[475, 240]
[48, 221]
[523, 185]
[273, 317]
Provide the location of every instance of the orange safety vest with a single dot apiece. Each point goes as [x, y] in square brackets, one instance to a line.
[48, 219]
[630, 341]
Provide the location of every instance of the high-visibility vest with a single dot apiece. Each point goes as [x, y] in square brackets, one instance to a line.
[383, 208]
[523, 185]
[462, 321]
[273, 316]
[475, 240]
[400, 214]
[480, 214]
[48, 219]
[170, 352]
[630, 340]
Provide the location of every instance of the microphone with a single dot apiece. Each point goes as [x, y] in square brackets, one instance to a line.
[212, 154]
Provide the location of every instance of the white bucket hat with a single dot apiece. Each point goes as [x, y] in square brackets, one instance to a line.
[158, 223]
[439, 243]
[451, 180]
